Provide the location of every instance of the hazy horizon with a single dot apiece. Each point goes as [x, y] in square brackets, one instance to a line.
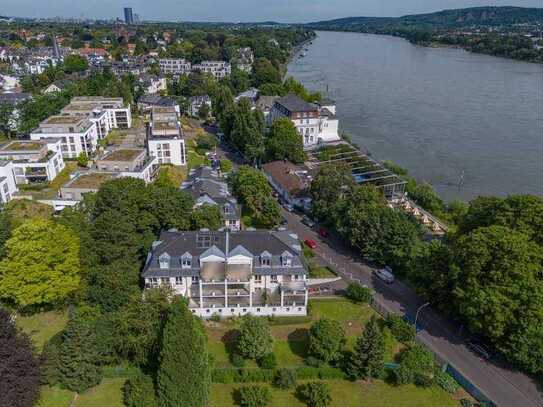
[288, 11]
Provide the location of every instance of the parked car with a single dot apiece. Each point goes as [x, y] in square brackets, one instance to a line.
[411, 321]
[310, 243]
[323, 232]
[308, 222]
[283, 222]
[288, 207]
[479, 348]
[385, 274]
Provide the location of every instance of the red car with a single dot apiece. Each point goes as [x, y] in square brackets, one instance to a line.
[323, 232]
[310, 243]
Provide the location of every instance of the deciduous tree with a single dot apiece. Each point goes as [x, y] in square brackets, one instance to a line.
[284, 142]
[326, 340]
[255, 339]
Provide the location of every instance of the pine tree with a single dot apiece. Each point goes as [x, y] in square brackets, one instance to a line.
[367, 359]
[78, 361]
[183, 374]
[19, 371]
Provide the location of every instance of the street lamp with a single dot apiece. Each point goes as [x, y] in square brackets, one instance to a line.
[418, 310]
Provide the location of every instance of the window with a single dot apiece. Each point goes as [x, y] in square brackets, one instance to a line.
[178, 280]
[295, 277]
[274, 279]
[194, 279]
[164, 261]
[265, 261]
[186, 262]
[165, 281]
[258, 279]
[258, 310]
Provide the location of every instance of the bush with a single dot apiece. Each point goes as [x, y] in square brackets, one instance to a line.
[317, 394]
[314, 362]
[205, 142]
[402, 331]
[285, 379]
[417, 366]
[139, 391]
[466, 403]
[326, 339]
[255, 339]
[82, 160]
[325, 373]
[359, 293]
[268, 361]
[226, 165]
[254, 396]
[446, 381]
[215, 317]
[237, 360]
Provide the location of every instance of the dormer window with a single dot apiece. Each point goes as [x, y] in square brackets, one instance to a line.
[286, 259]
[164, 261]
[226, 209]
[186, 260]
[265, 261]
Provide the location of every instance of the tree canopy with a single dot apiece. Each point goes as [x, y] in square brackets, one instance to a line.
[284, 142]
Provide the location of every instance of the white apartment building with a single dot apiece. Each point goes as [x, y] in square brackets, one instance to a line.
[118, 115]
[129, 162]
[77, 134]
[175, 66]
[165, 136]
[316, 124]
[8, 186]
[219, 69]
[34, 161]
[231, 273]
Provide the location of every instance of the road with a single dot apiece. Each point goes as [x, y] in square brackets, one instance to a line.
[500, 382]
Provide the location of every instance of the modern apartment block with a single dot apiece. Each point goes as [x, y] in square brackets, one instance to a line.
[8, 186]
[118, 115]
[129, 163]
[34, 161]
[231, 273]
[165, 136]
[315, 123]
[175, 66]
[77, 134]
[219, 69]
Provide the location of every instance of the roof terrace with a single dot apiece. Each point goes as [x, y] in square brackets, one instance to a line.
[90, 180]
[122, 155]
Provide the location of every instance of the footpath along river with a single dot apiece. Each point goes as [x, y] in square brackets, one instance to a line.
[444, 114]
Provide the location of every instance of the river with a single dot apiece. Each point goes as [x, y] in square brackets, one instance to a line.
[466, 123]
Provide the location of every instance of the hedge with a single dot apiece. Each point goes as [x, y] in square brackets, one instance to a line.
[256, 375]
[446, 381]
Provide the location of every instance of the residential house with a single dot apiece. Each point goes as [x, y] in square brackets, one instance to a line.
[165, 139]
[315, 124]
[147, 102]
[14, 99]
[57, 86]
[291, 182]
[34, 161]
[207, 187]
[152, 84]
[245, 59]
[196, 103]
[218, 69]
[8, 186]
[175, 66]
[265, 104]
[250, 94]
[119, 114]
[224, 273]
[84, 182]
[129, 163]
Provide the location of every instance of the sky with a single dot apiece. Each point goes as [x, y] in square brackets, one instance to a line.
[241, 10]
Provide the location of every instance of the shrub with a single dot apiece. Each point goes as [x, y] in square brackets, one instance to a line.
[139, 391]
[226, 165]
[50, 360]
[325, 372]
[82, 160]
[402, 331]
[268, 361]
[314, 362]
[446, 381]
[326, 339]
[254, 396]
[285, 379]
[466, 403]
[237, 360]
[215, 317]
[416, 366]
[317, 394]
[254, 340]
[359, 293]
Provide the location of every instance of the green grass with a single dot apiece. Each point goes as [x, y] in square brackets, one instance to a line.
[108, 393]
[316, 271]
[341, 310]
[55, 397]
[43, 326]
[174, 173]
[349, 394]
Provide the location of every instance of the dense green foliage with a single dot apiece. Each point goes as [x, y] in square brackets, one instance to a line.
[367, 359]
[285, 379]
[284, 142]
[254, 340]
[317, 394]
[19, 369]
[139, 391]
[402, 330]
[183, 377]
[326, 340]
[358, 293]
[417, 366]
[207, 216]
[254, 396]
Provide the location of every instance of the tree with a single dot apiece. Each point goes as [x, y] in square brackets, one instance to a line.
[75, 63]
[207, 216]
[331, 183]
[253, 191]
[254, 396]
[171, 206]
[41, 264]
[7, 119]
[317, 394]
[402, 330]
[79, 356]
[326, 340]
[203, 112]
[246, 132]
[285, 379]
[359, 293]
[417, 366]
[254, 340]
[226, 165]
[367, 359]
[183, 376]
[265, 72]
[19, 370]
[240, 80]
[284, 142]
[139, 391]
[82, 159]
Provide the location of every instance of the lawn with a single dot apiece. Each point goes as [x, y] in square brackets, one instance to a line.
[43, 326]
[108, 393]
[177, 175]
[347, 394]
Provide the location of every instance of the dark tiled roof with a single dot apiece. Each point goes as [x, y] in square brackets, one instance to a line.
[14, 98]
[156, 100]
[294, 103]
[290, 177]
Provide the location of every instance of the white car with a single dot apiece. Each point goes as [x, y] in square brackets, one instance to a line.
[385, 274]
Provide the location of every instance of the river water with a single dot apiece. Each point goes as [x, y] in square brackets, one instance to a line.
[468, 124]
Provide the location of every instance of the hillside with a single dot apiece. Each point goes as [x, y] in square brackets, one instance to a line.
[482, 16]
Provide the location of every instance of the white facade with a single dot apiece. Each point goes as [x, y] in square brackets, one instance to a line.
[168, 151]
[165, 137]
[8, 186]
[176, 66]
[219, 69]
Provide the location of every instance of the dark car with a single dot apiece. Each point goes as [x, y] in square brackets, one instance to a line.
[323, 232]
[411, 321]
[479, 348]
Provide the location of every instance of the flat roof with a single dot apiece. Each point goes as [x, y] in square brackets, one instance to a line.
[122, 155]
[164, 109]
[165, 125]
[81, 106]
[63, 120]
[91, 180]
[22, 146]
